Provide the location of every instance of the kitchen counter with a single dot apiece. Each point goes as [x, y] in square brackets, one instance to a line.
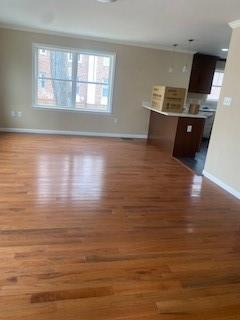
[174, 114]
[179, 134]
[208, 110]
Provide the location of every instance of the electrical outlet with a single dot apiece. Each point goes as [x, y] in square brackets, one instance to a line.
[189, 129]
[19, 114]
[13, 114]
[227, 101]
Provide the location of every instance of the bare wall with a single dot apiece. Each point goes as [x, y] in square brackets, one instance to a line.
[137, 70]
[224, 152]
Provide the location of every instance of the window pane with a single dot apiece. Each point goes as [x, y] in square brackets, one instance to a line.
[94, 68]
[55, 64]
[92, 96]
[218, 78]
[215, 93]
[217, 86]
[54, 93]
[106, 61]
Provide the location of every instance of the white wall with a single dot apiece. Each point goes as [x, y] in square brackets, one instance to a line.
[223, 160]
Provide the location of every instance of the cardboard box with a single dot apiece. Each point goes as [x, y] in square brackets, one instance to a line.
[194, 108]
[168, 99]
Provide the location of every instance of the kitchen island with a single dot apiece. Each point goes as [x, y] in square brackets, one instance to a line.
[179, 134]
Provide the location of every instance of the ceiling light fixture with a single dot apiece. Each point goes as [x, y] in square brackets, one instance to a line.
[106, 1]
[225, 49]
[171, 68]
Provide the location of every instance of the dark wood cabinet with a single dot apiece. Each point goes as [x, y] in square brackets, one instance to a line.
[203, 69]
[171, 135]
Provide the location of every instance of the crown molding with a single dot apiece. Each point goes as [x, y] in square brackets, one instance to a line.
[94, 38]
[235, 24]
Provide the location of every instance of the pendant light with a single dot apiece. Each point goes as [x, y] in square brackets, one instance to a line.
[185, 67]
[171, 68]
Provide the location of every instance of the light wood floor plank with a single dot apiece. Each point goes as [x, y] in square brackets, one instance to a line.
[111, 229]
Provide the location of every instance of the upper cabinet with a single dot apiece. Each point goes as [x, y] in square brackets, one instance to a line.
[203, 69]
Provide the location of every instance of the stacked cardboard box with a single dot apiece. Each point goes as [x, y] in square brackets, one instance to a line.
[168, 99]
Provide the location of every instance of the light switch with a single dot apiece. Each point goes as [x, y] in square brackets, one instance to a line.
[189, 129]
[227, 101]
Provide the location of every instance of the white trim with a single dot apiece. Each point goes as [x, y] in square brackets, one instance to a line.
[91, 38]
[221, 184]
[75, 133]
[63, 109]
[70, 49]
[235, 24]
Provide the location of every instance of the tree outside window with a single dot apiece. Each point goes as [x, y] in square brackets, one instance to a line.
[73, 79]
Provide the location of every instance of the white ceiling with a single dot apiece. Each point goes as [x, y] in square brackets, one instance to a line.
[156, 23]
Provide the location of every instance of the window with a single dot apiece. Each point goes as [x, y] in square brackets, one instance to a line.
[80, 58]
[217, 86]
[73, 80]
[105, 91]
[42, 78]
[106, 62]
[70, 57]
[43, 52]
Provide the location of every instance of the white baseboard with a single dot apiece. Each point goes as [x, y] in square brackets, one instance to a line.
[221, 184]
[75, 133]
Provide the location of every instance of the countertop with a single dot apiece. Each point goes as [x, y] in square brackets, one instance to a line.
[200, 115]
[208, 110]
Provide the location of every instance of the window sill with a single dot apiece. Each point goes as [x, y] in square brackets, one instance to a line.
[65, 109]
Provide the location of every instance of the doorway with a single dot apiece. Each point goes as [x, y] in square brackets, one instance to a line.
[208, 108]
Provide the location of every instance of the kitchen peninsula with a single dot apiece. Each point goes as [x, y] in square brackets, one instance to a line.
[179, 134]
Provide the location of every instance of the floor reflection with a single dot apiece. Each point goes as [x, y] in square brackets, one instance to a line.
[80, 177]
[196, 186]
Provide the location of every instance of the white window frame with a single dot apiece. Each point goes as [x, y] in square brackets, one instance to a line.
[70, 57]
[208, 96]
[75, 52]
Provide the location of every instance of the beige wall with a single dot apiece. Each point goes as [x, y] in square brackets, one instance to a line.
[223, 159]
[137, 70]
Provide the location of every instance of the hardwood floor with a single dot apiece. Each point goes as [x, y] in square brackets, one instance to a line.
[111, 229]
